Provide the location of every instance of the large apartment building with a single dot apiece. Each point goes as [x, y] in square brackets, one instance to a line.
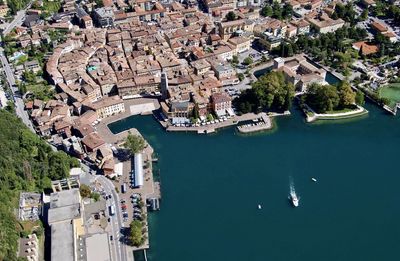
[107, 106]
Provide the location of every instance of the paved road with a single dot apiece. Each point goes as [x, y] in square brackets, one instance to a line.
[116, 220]
[18, 19]
[118, 248]
[19, 103]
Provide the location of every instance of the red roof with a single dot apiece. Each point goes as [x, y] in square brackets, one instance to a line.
[366, 48]
[379, 26]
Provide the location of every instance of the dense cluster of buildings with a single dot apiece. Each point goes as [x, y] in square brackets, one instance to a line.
[167, 49]
[144, 48]
[130, 49]
[300, 72]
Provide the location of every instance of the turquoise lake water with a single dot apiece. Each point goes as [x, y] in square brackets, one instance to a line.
[212, 184]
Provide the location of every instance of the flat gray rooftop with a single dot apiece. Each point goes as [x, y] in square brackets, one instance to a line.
[97, 247]
[64, 213]
[62, 241]
[64, 198]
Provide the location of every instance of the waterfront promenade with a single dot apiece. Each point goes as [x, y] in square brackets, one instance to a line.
[313, 116]
[215, 126]
[262, 123]
[150, 188]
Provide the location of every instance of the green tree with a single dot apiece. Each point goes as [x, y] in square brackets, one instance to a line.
[95, 196]
[136, 235]
[287, 11]
[85, 191]
[322, 98]
[16, 5]
[134, 143]
[196, 112]
[235, 59]
[289, 50]
[276, 10]
[346, 94]
[10, 107]
[99, 3]
[270, 92]
[364, 15]
[267, 11]
[60, 164]
[248, 60]
[24, 166]
[343, 60]
[360, 99]
[240, 76]
[231, 16]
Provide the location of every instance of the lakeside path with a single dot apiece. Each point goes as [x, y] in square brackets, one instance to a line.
[213, 127]
[333, 116]
[265, 124]
[130, 110]
[150, 188]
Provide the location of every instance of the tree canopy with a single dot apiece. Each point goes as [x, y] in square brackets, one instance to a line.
[134, 143]
[85, 191]
[136, 234]
[270, 92]
[323, 98]
[16, 5]
[277, 11]
[27, 163]
[231, 16]
[360, 98]
[346, 94]
[248, 60]
[346, 12]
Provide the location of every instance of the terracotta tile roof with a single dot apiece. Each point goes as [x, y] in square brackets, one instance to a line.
[366, 48]
[379, 27]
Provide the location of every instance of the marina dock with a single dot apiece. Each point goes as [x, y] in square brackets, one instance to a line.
[235, 120]
[259, 124]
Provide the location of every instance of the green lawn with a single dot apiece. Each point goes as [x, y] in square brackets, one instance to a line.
[391, 92]
[51, 6]
[350, 108]
[41, 91]
[340, 111]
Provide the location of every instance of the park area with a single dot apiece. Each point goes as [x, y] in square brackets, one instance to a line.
[391, 92]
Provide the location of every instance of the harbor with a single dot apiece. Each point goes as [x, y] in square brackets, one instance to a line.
[261, 123]
[232, 121]
[335, 209]
[149, 189]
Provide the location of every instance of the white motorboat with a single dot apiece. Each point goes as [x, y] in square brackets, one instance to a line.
[259, 206]
[293, 197]
[314, 179]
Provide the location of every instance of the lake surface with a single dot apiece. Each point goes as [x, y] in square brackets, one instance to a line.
[212, 184]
